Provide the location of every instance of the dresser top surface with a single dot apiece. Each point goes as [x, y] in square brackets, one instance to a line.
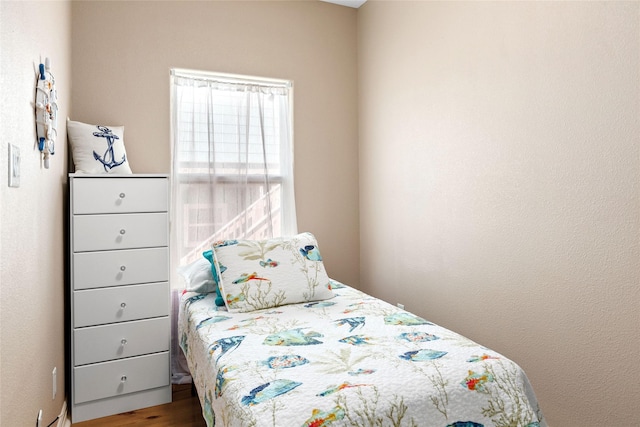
[115, 176]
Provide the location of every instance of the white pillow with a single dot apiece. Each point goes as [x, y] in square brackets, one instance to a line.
[257, 274]
[197, 276]
[98, 149]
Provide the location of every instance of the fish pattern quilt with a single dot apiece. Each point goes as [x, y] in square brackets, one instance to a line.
[352, 360]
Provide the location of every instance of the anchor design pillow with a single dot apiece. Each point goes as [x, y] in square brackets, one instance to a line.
[98, 149]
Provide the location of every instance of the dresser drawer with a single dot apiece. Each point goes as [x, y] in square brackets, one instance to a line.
[120, 340]
[119, 195]
[120, 304]
[114, 268]
[119, 377]
[125, 231]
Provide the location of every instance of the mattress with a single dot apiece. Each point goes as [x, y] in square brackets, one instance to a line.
[352, 360]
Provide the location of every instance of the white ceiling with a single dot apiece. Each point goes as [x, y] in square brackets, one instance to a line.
[351, 3]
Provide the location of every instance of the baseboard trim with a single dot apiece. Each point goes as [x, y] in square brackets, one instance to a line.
[63, 418]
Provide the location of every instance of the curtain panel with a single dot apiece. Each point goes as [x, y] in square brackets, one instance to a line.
[232, 168]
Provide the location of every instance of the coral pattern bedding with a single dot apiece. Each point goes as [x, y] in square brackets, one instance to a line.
[350, 360]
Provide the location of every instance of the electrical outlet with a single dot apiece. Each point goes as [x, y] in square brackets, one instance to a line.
[54, 376]
[14, 166]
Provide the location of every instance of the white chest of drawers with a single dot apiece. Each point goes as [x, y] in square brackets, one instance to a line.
[119, 294]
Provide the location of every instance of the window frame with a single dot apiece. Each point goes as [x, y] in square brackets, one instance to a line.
[232, 178]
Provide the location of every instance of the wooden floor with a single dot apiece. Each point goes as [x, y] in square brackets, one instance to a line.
[184, 411]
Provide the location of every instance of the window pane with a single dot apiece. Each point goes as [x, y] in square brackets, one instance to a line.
[230, 143]
[208, 219]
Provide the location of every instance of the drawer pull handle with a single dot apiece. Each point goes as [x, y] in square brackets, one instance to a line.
[122, 231]
[122, 195]
[123, 304]
[123, 379]
[123, 341]
[123, 267]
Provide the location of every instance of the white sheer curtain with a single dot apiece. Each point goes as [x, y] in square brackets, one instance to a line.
[232, 164]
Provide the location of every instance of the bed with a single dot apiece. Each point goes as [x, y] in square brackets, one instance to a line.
[341, 358]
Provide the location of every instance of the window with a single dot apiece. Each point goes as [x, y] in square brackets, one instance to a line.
[232, 168]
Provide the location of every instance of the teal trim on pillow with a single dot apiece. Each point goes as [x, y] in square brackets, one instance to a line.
[210, 257]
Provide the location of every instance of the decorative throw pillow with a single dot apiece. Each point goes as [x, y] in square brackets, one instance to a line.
[197, 277]
[97, 149]
[211, 266]
[256, 274]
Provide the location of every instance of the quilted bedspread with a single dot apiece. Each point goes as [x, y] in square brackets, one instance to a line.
[352, 360]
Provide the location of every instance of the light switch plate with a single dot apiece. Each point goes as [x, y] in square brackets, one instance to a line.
[14, 166]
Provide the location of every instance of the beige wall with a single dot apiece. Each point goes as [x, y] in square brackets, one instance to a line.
[32, 239]
[122, 54]
[500, 184]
